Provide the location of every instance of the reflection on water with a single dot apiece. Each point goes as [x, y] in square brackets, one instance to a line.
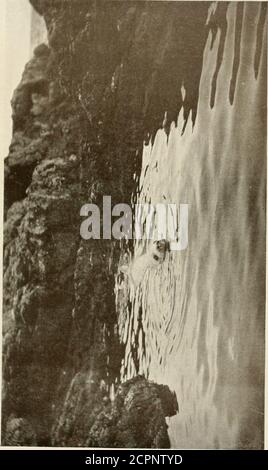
[196, 323]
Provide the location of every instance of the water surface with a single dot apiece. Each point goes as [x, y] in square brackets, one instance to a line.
[197, 322]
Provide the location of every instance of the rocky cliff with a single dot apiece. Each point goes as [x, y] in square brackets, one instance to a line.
[110, 76]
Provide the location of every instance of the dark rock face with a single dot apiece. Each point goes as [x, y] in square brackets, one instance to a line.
[41, 240]
[81, 113]
[135, 418]
[19, 432]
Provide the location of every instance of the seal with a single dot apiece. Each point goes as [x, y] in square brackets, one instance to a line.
[154, 255]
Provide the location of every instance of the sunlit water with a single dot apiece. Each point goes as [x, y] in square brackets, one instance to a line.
[196, 323]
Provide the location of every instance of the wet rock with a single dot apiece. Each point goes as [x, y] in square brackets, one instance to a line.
[19, 432]
[134, 418]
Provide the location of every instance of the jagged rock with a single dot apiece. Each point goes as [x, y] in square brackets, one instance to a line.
[34, 81]
[134, 418]
[41, 239]
[19, 432]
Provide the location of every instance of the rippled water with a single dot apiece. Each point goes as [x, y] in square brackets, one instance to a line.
[196, 323]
